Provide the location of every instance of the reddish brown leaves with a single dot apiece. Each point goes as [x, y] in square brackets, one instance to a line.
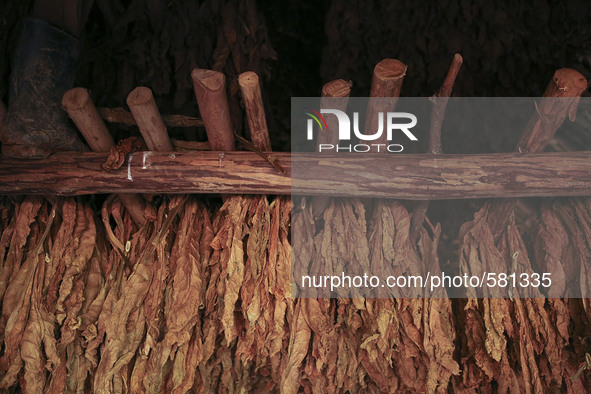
[200, 301]
[526, 329]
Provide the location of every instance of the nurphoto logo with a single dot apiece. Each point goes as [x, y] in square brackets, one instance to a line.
[394, 123]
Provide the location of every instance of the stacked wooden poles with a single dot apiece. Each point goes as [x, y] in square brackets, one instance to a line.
[81, 109]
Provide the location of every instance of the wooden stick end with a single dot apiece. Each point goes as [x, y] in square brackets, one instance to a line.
[390, 69]
[140, 95]
[209, 79]
[570, 81]
[75, 98]
[337, 88]
[248, 79]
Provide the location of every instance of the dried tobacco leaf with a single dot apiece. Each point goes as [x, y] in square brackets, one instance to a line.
[25, 216]
[120, 151]
[184, 298]
[297, 349]
[125, 324]
[486, 319]
[107, 285]
[56, 261]
[72, 284]
[21, 294]
[36, 331]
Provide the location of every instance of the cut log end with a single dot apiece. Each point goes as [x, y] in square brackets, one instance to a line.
[387, 79]
[567, 83]
[390, 69]
[75, 98]
[139, 96]
[248, 79]
[338, 88]
[208, 79]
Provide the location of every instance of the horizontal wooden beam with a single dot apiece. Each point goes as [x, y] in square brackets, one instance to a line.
[400, 176]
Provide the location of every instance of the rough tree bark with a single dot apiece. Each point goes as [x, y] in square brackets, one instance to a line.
[414, 176]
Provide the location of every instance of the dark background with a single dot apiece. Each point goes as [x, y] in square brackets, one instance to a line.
[510, 48]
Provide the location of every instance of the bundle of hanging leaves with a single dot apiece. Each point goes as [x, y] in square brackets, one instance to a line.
[198, 300]
[101, 305]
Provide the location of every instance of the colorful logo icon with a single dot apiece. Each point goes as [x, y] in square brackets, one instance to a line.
[317, 117]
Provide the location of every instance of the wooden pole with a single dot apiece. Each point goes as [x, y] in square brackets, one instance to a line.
[210, 91]
[261, 144]
[402, 176]
[334, 95]
[189, 145]
[387, 79]
[337, 88]
[143, 107]
[255, 110]
[440, 100]
[119, 115]
[440, 104]
[81, 109]
[560, 100]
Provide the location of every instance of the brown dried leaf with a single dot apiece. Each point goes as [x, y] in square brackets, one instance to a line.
[119, 152]
[297, 350]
